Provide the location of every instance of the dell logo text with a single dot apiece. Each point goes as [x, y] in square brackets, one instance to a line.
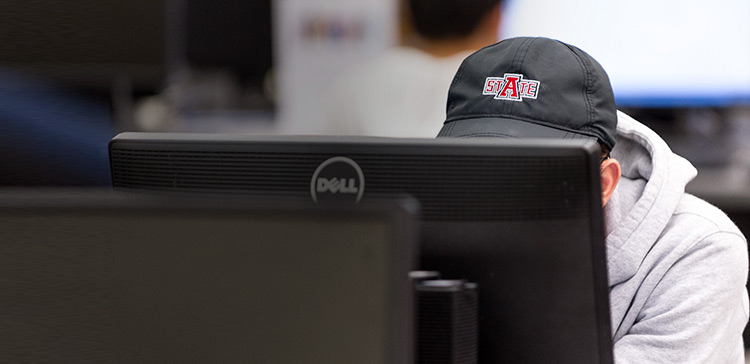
[337, 179]
[335, 185]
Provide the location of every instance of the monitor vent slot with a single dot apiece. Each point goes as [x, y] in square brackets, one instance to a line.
[448, 187]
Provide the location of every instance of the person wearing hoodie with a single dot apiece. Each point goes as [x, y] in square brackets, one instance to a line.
[677, 266]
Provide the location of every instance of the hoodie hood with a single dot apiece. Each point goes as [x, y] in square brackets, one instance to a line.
[677, 265]
[653, 181]
[651, 187]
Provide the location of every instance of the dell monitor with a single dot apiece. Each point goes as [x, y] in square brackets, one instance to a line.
[520, 218]
[102, 277]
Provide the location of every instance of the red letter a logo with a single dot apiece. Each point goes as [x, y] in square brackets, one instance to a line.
[510, 88]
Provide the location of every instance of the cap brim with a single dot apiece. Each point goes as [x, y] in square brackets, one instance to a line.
[504, 128]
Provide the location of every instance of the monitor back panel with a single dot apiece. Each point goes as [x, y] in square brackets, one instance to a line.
[522, 218]
[100, 278]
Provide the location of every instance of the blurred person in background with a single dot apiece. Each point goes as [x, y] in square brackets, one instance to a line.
[51, 135]
[402, 92]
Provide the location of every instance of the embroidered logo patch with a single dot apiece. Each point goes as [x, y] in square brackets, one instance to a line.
[511, 87]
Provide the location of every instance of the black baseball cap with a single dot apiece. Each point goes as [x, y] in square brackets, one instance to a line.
[531, 88]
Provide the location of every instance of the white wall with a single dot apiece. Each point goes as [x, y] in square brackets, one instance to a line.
[317, 39]
[661, 48]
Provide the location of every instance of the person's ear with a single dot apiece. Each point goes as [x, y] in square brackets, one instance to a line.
[610, 172]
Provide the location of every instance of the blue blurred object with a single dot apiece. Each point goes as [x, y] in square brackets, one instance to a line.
[51, 135]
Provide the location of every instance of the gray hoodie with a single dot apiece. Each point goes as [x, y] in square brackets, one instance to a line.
[677, 265]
